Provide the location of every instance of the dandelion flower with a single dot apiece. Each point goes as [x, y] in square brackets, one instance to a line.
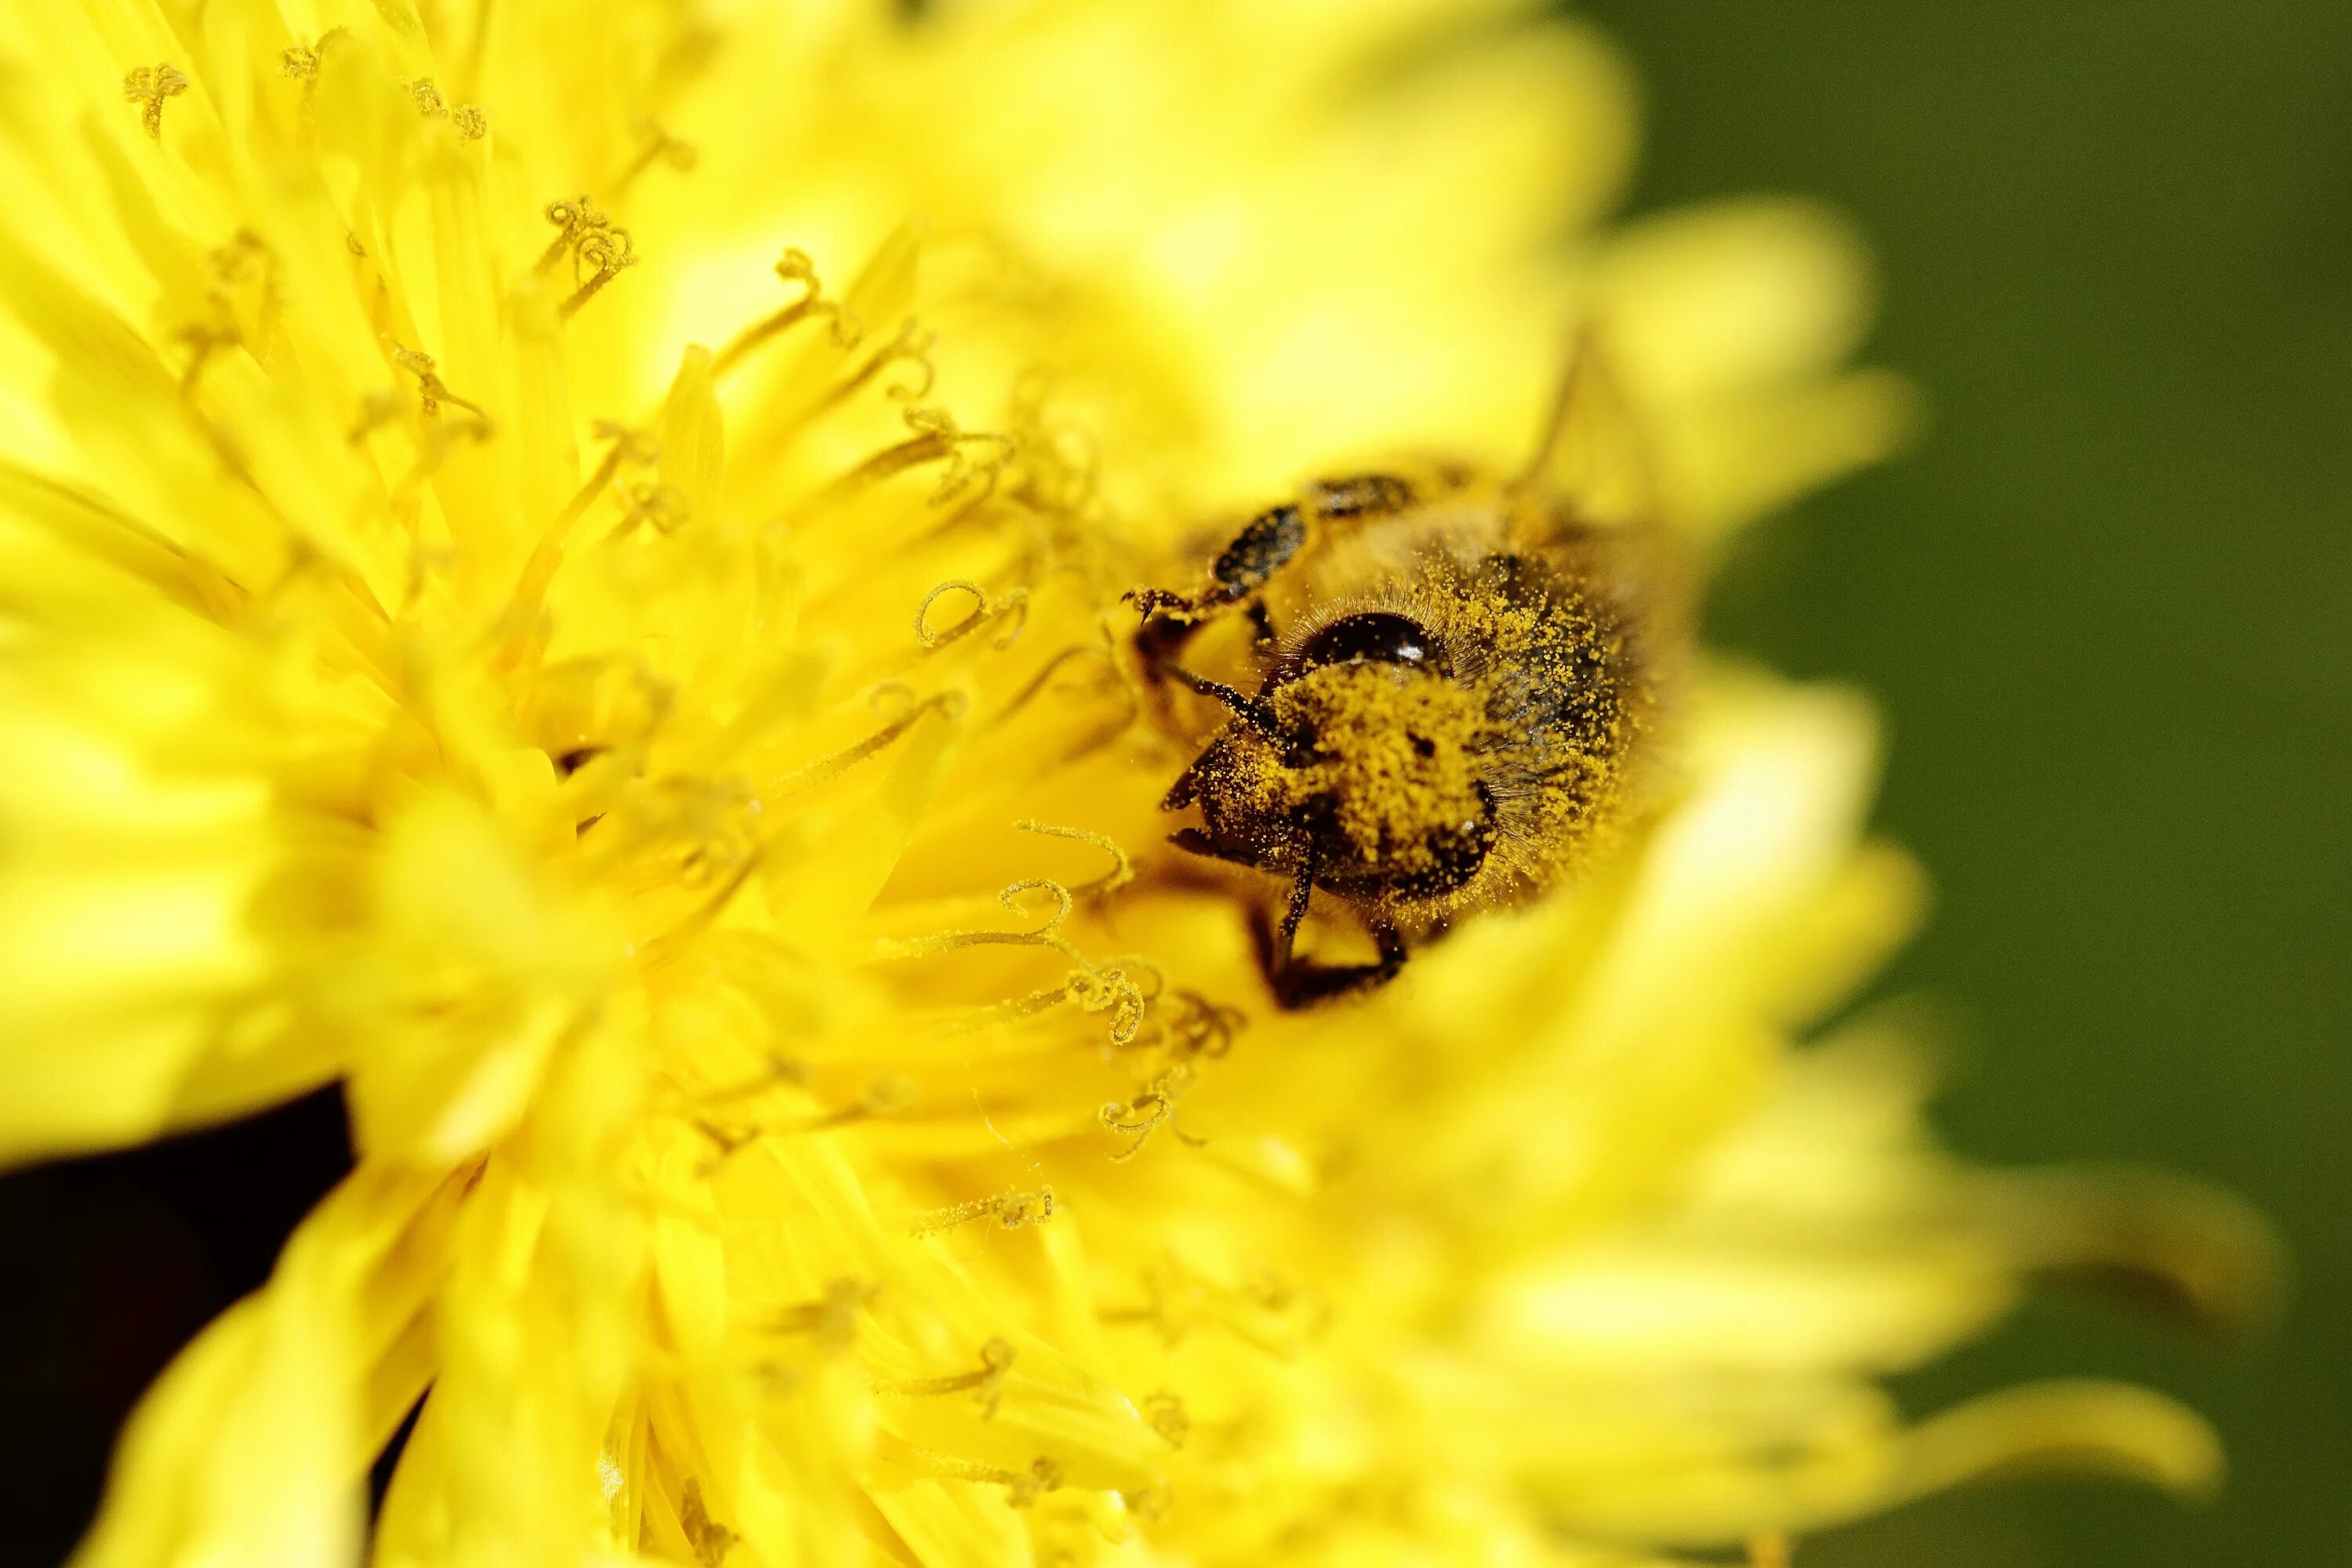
[560, 572]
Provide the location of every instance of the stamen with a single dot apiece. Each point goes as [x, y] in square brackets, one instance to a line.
[711, 1540]
[1023, 1487]
[1112, 990]
[1114, 683]
[1265, 1310]
[660, 147]
[440, 438]
[1108, 989]
[432, 392]
[794, 268]
[662, 948]
[303, 63]
[1010, 1210]
[936, 437]
[574, 220]
[1201, 1029]
[832, 1318]
[1016, 603]
[660, 507]
[470, 120]
[1165, 1413]
[1768, 1549]
[962, 469]
[1150, 1503]
[1036, 686]
[888, 1095]
[781, 1070]
[996, 1358]
[611, 251]
[377, 409]
[429, 102]
[911, 345]
[622, 445]
[948, 705]
[1121, 872]
[148, 86]
[1144, 1115]
[203, 341]
[948, 941]
[1042, 1476]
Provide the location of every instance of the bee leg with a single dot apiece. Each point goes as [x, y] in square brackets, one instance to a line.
[1192, 841]
[1301, 982]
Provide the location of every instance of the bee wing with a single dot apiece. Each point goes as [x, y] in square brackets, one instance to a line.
[1594, 458]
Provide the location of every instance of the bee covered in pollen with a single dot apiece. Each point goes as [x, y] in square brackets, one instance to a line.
[1456, 681]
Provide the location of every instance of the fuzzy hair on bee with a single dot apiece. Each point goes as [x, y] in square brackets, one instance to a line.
[1457, 680]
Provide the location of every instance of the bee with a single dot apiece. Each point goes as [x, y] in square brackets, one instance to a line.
[1445, 692]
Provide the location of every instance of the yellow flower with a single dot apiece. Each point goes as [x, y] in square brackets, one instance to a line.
[646, 718]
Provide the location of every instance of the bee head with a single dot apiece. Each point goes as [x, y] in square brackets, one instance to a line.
[1364, 753]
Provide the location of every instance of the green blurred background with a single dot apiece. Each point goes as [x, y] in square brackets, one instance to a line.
[2107, 606]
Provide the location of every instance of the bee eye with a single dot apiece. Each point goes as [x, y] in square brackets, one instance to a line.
[1378, 635]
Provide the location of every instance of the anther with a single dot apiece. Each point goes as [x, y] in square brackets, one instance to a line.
[148, 86]
[429, 102]
[471, 122]
[996, 1357]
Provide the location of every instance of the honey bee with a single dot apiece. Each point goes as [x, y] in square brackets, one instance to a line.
[1457, 683]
